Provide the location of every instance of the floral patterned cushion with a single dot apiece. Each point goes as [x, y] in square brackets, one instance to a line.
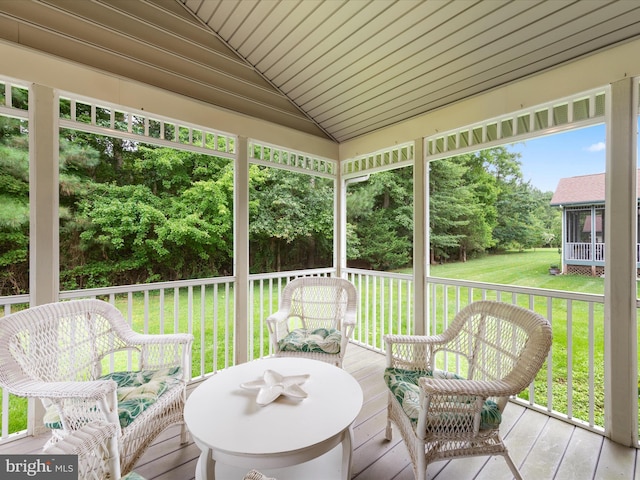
[133, 476]
[136, 391]
[319, 340]
[404, 386]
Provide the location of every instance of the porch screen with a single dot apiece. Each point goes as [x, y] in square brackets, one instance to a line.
[584, 234]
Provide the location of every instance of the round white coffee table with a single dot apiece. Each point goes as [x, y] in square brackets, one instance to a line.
[231, 428]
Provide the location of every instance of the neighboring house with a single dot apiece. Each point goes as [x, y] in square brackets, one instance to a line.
[581, 200]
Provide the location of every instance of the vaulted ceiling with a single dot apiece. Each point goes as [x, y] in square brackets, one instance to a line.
[333, 68]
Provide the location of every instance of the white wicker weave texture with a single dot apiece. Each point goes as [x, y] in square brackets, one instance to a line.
[497, 348]
[313, 304]
[56, 352]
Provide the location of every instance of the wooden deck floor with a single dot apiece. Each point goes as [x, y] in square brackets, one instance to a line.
[542, 447]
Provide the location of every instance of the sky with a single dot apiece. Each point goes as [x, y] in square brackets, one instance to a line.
[548, 159]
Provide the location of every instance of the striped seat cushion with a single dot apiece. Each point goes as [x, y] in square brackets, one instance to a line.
[319, 340]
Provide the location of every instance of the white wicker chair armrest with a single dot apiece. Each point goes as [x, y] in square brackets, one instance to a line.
[163, 351]
[83, 440]
[85, 390]
[256, 475]
[454, 406]
[412, 352]
[436, 386]
[73, 399]
[140, 339]
[278, 317]
[278, 324]
[349, 321]
[417, 339]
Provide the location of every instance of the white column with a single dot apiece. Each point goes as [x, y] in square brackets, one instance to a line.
[563, 248]
[241, 251]
[44, 255]
[340, 223]
[621, 379]
[44, 251]
[420, 238]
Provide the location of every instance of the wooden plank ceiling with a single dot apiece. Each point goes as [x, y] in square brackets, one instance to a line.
[333, 68]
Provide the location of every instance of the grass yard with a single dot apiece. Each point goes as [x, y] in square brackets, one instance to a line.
[529, 268]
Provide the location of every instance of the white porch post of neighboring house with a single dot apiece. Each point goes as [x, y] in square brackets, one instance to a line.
[621, 379]
[563, 250]
[44, 251]
[241, 251]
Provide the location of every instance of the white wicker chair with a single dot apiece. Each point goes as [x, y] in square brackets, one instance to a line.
[56, 352]
[256, 475]
[308, 304]
[498, 349]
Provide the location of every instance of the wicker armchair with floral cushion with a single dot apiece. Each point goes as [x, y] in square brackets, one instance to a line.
[447, 392]
[57, 352]
[315, 319]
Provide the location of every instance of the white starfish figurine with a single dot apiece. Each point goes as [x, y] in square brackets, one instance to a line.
[272, 385]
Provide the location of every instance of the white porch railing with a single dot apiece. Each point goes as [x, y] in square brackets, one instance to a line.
[584, 251]
[205, 308]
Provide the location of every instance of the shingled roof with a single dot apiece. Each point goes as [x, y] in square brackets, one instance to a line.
[582, 190]
[585, 189]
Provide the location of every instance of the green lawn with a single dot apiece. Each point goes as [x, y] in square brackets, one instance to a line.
[529, 268]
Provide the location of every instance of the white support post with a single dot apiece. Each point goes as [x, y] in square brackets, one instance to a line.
[44, 255]
[563, 250]
[621, 363]
[44, 251]
[420, 238]
[340, 224]
[241, 252]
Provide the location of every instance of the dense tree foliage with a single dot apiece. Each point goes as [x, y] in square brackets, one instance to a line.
[380, 214]
[479, 202]
[14, 206]
[290, 220]
[133, 213]
[137, 213]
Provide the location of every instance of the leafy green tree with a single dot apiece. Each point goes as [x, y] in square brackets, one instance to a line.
[380, 211]
[450, 207]
[14, 207]
[291, 220]
[517, 226]
[138, 213]
[479, 201]
[478, 233]
[550, 219]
